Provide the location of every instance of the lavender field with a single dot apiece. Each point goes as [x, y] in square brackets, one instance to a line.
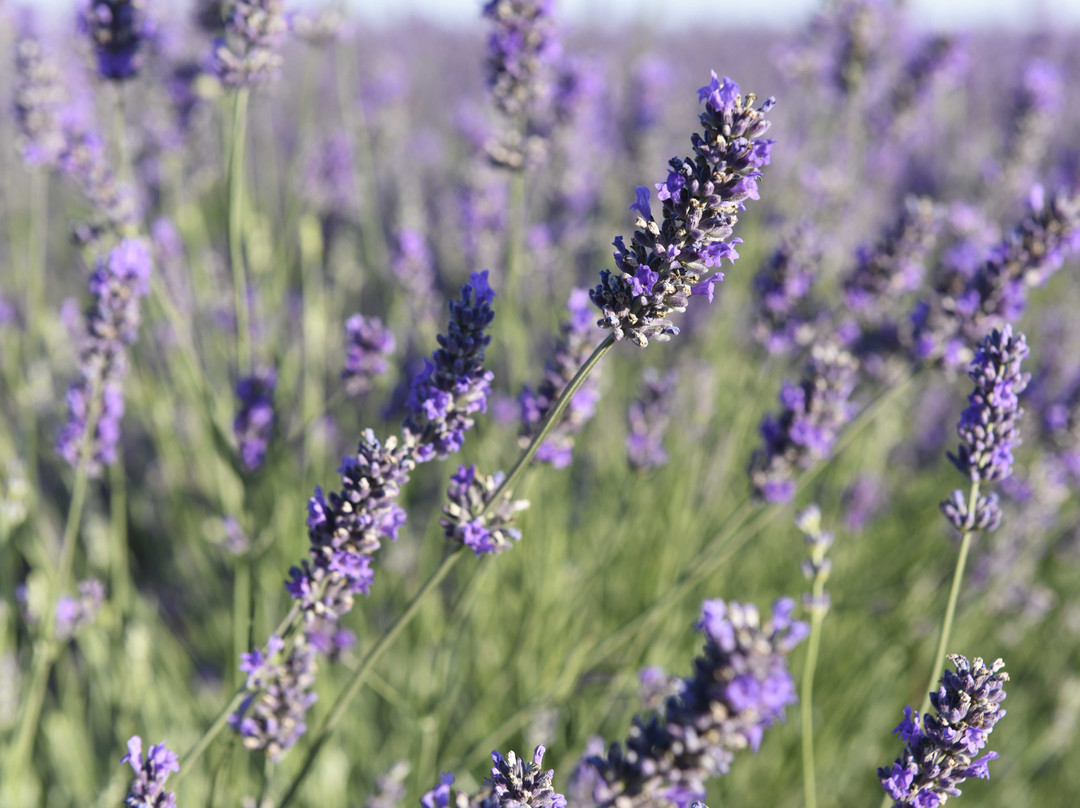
[529, 414]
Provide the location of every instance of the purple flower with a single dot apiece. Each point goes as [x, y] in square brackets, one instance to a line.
[247, 55]
[112, 321]
[469, 494]
[988, 426]
[571, 351]
[939, 749]
[784, 311]
[118, 30]
[453, 384]
[74, 613]
[367, 346]
[148, 788]
[740, 686]
[254, 422]
[811, 416]
[665, 263]
[649, 418]
[39, 95]
[513, 783]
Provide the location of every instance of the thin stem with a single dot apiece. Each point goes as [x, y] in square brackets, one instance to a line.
[236, 223]
[47, 648]
[241, 613]
[950, 608]
[806, 697]
[118, 533]
[337, 712]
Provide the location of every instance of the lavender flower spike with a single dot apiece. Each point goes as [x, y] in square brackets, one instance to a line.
[469, 493]
[39, 96]
[668, 263]
[118, 29]
[740, 686]
[254, 422]
[940, 749]
[513, 783]
[367, 346]
[248, 53]
[148, 788]
[453, 384]
[988, 426]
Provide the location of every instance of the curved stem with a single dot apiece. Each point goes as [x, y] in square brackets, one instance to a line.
[236, 223]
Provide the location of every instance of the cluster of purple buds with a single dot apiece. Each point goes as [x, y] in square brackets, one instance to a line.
[469, 520]
[987, 428]
[649, 416]
[114, 209]
[39, 97]
[148, 787]
[939, 752]
[935, 60]
[248, 53]
[328, 180]
[996, 293]
[254, 422]
[513, 783]
[279, 684]
[453, 384]
[812, 413]
[367, 346]
[573, 348]
[784, 317]
[112, 322]
[1037, 103]
[413, 264]
[668, 263]
[118, 30]
[740, 686]
[522, 51]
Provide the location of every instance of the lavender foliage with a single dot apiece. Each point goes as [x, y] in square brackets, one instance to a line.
[668, 263]
[940, 750]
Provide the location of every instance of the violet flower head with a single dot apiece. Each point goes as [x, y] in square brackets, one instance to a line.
[367, 346]
[279, 685]
[522, 50]
[988, 427]
[668, 263]
[347, 527]
[785, 314]
[573, 348]
[118, 30]
[515, 783]
[248, 53]
[39, 96]
[649, 417]
[112, 321]
[414, 265]
[254, 422]
[453, 384]
[740, 686]
[940, 750]
[812, 413]
[148, 787]
[489, 533]
[328, 177]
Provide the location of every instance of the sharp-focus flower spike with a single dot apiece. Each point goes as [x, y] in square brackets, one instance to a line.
[740, 686]
[489, 534]
[148, 787]
[453, 384]
[669, 262]
[940, 751]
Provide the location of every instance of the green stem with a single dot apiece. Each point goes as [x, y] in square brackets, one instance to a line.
[47, 648]
[241, 612]
[806, 697]
[236, 223]
[950, 608]
[118, 533]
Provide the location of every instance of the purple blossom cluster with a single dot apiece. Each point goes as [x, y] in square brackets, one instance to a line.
[940, 750]
[471, 520]
[254, 422]
[573, 348]
[248, 53]
[522, 51]
[988, 427]
[39, 98]
[740, 687]
[649, 417]
[668, 263]
[118, 30]
[812, 413]
[513, 783]
[784, 314]
[453, 384]
[148, 788]
[367, 347]
[112, 320]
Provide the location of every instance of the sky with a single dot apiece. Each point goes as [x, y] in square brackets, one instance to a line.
[937, 14]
